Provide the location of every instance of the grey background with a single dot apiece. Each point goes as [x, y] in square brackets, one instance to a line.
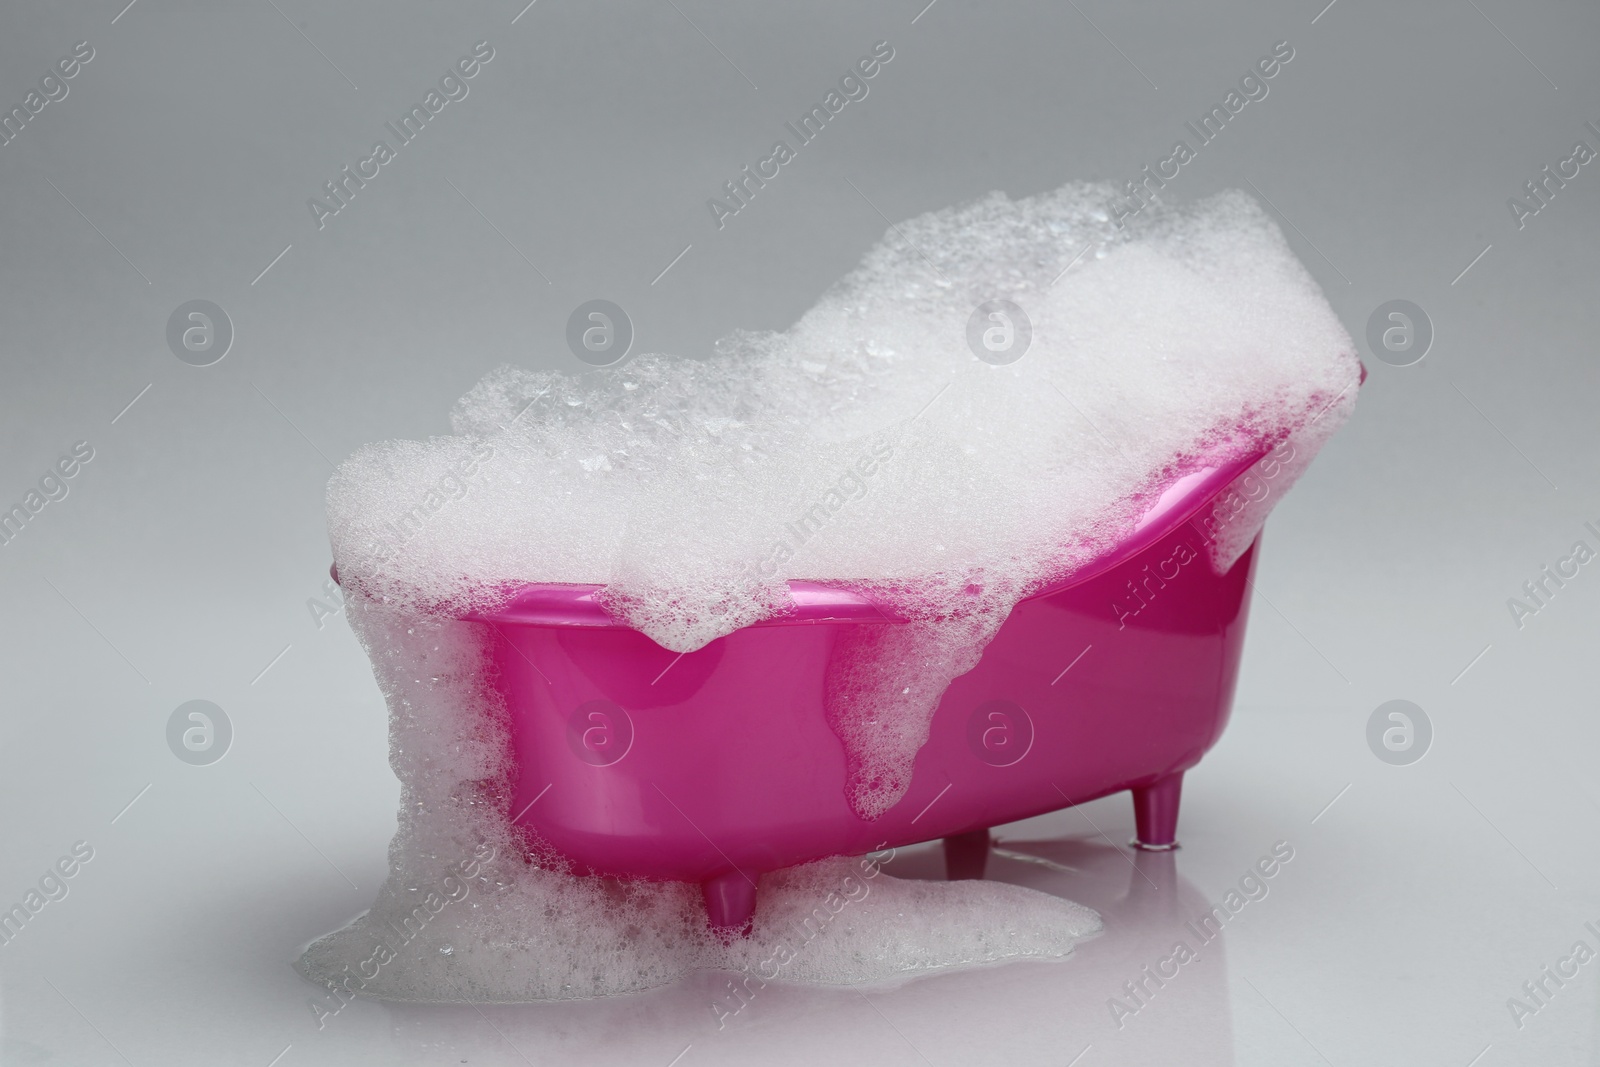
[180, 564]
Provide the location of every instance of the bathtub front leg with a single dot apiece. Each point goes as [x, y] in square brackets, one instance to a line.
[730, 904]
[1155, 814]
[966, 855]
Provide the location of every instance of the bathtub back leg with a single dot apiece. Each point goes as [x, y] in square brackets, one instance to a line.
[965, 855]
[1155, 814]
[730, 903]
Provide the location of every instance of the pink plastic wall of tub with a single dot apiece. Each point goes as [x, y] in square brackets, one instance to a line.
[719, 764]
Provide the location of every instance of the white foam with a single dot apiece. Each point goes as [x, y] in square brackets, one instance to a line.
[946, 487]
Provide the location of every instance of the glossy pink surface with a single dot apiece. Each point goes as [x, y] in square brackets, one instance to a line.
[720, 764]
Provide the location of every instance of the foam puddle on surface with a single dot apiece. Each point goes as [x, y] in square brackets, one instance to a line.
[833, 922]
[867, 445]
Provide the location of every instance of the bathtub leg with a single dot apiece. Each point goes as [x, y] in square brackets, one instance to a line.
[730, 904]
[1155, 813]
[965, 855]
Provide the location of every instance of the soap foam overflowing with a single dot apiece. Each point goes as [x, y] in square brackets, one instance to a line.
[865, 446]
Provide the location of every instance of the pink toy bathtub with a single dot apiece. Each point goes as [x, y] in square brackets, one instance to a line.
[718, 765]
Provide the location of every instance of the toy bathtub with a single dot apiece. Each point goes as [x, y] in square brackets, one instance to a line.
[719, 764]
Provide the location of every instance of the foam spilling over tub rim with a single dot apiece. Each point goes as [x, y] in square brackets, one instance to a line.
[570, 604]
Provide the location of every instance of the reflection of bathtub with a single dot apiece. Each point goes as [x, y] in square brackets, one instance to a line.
[720, 764]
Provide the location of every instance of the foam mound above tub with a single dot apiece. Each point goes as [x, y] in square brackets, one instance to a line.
[867, 443]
